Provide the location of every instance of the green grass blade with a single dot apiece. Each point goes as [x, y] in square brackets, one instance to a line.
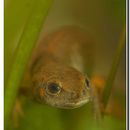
[26, 44]
[114, 67]
[16, 15]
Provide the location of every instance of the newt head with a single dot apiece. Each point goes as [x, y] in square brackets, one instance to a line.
[61, 86]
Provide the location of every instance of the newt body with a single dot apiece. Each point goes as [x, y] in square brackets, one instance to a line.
[56, 69]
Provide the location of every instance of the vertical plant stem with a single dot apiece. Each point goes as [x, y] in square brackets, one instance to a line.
[26, 44]
[13, 28]
[113, 70]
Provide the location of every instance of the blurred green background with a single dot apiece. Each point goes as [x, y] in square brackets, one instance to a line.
[105, 20]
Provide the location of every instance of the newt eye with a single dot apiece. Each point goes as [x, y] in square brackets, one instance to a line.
[87, 83]
[53, 88]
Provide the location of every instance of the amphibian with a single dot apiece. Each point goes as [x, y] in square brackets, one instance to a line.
[55, 74]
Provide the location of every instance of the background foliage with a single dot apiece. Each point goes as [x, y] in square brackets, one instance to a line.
[23, 23]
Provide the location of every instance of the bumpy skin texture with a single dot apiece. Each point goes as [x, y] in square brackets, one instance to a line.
[56, 69]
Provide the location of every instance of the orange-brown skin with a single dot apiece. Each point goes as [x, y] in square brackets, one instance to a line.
[56, 68]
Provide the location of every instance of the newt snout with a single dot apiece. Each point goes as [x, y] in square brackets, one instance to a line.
[61, 86]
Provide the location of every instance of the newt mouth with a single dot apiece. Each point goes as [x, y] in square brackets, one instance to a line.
[72, 105]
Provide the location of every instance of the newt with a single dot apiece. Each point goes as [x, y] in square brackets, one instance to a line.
[55, 74]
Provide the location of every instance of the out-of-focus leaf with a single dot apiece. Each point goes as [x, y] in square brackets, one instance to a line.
[26, 44]
[16, 16]
[40, 117]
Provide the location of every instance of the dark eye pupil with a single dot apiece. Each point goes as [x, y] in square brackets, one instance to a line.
[53, 88]
[87, 83]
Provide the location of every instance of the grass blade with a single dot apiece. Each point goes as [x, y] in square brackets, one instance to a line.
[114, 67]
[26, 44]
